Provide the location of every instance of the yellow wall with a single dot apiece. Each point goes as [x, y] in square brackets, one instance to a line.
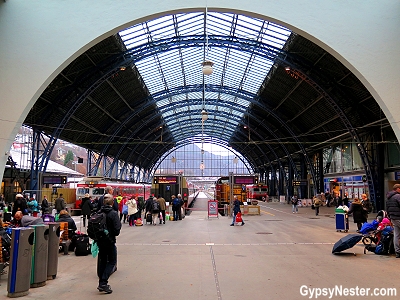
[68, 194]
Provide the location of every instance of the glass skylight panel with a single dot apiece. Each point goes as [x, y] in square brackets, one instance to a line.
[173, 69]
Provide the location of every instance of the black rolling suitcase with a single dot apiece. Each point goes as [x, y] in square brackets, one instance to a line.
[82, 245]
[148, 218]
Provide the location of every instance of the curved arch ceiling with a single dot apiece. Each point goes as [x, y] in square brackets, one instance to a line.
[177, 68]
[136, 95]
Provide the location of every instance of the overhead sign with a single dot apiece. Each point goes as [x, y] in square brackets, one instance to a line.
[245, 180]
[166, 179]
[301, 182]
[54, 179]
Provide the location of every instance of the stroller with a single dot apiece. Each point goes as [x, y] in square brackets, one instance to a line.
[380, 239]
[369, 230]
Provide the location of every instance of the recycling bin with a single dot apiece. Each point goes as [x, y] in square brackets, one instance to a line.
[342, 220]
[53, 243]
[19, 273]
[40, 255]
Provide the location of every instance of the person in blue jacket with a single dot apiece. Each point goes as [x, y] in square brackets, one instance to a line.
[236, 209]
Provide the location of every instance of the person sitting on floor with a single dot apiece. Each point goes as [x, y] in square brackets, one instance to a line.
[65, 217]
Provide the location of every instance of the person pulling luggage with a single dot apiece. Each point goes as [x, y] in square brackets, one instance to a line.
[236, 210]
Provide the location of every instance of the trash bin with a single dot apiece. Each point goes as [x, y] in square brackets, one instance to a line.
[40, 255]
[342, 220]
[53, 243]
[19, 273]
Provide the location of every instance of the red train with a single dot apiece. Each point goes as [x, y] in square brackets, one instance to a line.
[94, 186]
[257, 191]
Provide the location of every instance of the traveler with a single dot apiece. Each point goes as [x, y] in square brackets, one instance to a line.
[44, 205]
[155, 211]
[181, 202]
[366, 203]
[33, 207]
[86, 208]
[336, 200]
[175, 207]
[122, 213]
[107, 190]
[24, 220]
[132, 210]
[19, 205]
[236, 209]
[107, 259]
[65, 217]
[295, 201]
[119, 198]
[148, 206]
[60, 204]
[359, 213]
[2, 203]
[317, 202]
[346, 199]
[328, 198]
[163, 206]
[393, 211]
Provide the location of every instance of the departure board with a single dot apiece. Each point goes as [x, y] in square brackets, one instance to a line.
[166, 179]
[244, 180]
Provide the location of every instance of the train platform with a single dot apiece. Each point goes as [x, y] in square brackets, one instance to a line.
[275, 255]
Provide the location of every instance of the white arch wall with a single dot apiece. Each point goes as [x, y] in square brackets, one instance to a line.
[38, 38]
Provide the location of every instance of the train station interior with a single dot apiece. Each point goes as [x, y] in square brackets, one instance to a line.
[302, 99]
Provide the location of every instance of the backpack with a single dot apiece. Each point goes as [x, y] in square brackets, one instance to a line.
[156, 205]
[176, 203]
[97, 226]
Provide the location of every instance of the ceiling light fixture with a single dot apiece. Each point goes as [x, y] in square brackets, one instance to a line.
[207, 65]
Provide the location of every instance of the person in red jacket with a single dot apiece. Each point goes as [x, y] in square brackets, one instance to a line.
[120, 208]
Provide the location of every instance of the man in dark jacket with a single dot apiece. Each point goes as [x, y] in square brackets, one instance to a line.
[44, 205]
[100, 203]
[107, 259]
[148, 205]
[59, 204]
[236, 209]
[86, 208]
[393, 211]
[19, 205]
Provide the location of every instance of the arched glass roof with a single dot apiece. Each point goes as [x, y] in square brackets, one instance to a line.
[173, 70]
[136, 95]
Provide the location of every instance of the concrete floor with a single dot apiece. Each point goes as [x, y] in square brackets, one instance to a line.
[270, 257]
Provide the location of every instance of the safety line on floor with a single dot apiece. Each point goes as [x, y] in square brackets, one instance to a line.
[266, 212]
[215, 273]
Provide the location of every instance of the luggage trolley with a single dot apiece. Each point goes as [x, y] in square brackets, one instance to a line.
[342, 220]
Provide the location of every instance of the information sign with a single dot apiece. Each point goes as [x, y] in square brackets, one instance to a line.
[244, 180]
[212, 208]
[166, 179]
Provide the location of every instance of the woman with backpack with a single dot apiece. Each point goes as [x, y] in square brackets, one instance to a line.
[155, 210]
